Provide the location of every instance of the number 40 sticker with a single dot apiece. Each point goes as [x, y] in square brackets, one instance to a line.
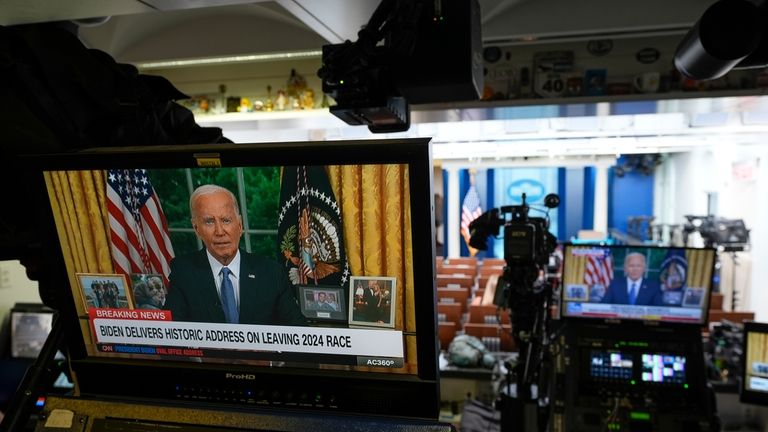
[550, 85]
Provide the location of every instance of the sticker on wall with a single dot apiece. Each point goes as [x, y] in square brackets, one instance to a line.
[533, 189]
[492, 54]
[599, 47]
[647, 55]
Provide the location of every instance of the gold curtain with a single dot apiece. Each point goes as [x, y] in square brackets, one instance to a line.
[699, 267]
[574, 272]
[375, 207]
[78, 201]
[757, 352]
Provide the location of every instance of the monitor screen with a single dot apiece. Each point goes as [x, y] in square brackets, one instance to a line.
[663, 368]
[610, 365]
[626, 367]
[754, 385]
[297, 274]
[664, 284]
[29, 330]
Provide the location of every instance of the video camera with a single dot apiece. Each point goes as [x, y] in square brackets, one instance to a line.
[409, 52]
[524, 289]
[727, 234]
[528, 245]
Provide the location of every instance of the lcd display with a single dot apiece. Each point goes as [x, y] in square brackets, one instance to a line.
[29, 331]
[662, 284]
[755, 367]
[610, 365]
[287, 259]
[663, 369]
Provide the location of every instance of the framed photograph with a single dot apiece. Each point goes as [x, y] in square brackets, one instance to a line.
[576, 292]
[693, 297]
[322, 303]
[148, 290]
[101, 290]
[372, 300]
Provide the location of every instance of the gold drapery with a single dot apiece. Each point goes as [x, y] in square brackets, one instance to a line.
[574, 271]
[699, 267]
[78, 201]
[757, 351]
[375, 208]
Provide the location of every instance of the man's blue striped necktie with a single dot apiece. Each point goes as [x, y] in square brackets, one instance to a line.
[228, 298]
[633, 293]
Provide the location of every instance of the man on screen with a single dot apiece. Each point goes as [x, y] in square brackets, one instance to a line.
[221, 283]
[633, 288]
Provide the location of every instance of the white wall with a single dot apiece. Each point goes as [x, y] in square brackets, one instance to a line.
[15, 287]
[758, 296]
[684, 181]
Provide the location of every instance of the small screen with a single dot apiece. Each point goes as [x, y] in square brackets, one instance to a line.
[637, 283]
[610, 365]
[663, 368]
[756, 363]
[29, 330]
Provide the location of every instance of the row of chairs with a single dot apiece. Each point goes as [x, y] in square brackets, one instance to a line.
[460, 287]
[492, 327]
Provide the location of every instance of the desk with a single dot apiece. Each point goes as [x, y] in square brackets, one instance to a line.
[734, 415]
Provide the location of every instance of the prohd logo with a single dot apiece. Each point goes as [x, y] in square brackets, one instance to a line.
[240, 376]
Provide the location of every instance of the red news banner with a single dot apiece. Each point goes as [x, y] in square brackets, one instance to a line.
[134, 314]
[141, 331]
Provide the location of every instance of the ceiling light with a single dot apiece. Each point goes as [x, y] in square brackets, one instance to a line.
[230, 59]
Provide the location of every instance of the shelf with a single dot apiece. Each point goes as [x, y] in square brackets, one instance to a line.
[323, 118]
[261, 115]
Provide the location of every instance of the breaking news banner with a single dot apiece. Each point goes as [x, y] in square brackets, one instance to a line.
[317, 340]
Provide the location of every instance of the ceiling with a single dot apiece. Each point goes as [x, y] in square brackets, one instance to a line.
[136, 31]
[150, 30]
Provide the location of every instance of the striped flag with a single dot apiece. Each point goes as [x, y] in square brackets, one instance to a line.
[470, 210]
[138, 230]
[599, 270]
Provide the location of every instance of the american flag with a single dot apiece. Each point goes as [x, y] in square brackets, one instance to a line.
[138, 230]
[599, 270]
[470, 210]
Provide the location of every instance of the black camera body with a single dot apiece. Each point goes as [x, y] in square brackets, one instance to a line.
[528, 245]
[527, 240]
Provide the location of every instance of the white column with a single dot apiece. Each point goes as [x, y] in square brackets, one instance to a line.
[600, 218]
[453, 242]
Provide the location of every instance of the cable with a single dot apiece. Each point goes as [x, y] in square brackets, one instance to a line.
[612, 415]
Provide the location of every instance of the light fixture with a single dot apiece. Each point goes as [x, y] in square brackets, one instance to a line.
[251, 58]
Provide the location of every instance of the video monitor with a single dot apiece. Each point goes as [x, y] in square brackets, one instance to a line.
[754, 379]
[648, 283]
[663, 368]
[29, 330]
[610, 365]
[300, 274]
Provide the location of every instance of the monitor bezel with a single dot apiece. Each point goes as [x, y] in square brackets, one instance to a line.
[751, 396]
[632, 321]
[412, 395]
